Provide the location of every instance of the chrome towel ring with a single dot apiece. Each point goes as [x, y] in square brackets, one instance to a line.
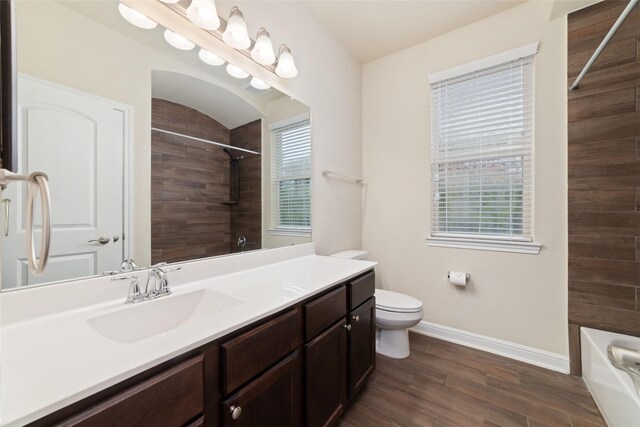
[38, 184]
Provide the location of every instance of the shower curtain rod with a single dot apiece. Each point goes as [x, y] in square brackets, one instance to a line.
[204, 140]
[604, 43]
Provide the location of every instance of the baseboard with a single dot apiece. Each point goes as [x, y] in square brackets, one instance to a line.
[533, 356]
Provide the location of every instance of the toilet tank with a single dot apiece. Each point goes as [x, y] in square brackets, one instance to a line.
[351, 254]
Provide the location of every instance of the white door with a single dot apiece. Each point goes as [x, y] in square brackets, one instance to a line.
[78, 141]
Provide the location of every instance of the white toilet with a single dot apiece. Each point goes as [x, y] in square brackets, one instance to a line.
[395, 314]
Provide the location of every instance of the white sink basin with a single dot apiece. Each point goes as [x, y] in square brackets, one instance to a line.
[146, 319]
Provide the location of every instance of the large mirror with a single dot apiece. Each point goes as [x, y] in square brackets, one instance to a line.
[151, 153]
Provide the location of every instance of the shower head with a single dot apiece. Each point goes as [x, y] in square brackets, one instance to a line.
[231, 158]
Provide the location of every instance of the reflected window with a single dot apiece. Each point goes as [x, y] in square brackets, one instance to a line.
[291, 177]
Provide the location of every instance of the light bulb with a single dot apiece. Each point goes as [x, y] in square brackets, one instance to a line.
[286, 67]
[237, 72]
[178, 41]
[136, 18]
[259, 84]
[262, 52]
[210, 58]
[235, 35]
[203, 13]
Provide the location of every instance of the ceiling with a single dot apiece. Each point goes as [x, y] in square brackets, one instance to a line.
[374, 29]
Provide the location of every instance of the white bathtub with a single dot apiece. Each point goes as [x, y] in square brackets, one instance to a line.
[612, 389]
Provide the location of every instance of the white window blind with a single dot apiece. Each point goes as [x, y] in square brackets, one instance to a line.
[291, 176]
[481, 153]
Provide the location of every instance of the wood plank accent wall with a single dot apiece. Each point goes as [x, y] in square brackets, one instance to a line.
[246, 216]
[189, 180]
[604, 175]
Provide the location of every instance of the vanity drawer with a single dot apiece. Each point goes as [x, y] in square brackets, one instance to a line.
[361, 289]
[171, 398]
[324, 312]
[247, 355]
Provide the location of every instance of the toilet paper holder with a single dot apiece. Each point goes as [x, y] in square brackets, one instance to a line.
[458, 278]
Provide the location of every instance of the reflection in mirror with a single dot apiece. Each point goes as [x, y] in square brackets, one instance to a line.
[151, 153]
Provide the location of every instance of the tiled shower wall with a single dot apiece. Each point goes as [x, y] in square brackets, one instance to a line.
[604, 175]
[189, 180]
[246, 216]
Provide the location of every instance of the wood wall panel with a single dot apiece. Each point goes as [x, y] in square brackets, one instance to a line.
[189, 180]
[246, 216]
[603, 176]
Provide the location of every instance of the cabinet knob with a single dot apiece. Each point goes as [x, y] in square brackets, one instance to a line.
[348, 327]
[235, 412]
[356, 318]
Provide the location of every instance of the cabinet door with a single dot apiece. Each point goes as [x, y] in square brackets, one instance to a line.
[326, 358]
[272, 399]
[362, 345]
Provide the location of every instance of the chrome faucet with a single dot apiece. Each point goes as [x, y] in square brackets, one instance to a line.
[157, 284]
[128, 265]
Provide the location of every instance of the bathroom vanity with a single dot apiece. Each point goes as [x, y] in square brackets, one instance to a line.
[281, 337]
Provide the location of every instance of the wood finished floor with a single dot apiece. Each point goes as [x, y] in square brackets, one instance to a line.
[444, 384]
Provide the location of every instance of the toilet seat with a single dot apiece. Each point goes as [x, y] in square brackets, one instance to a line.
[395, 302]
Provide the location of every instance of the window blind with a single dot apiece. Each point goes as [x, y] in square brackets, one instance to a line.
[291, 176]
[482, 152]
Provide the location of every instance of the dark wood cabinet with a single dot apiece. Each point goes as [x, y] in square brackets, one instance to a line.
[273, 399]
[326, 375]
[362, 345]
[340, 359]
[172, 398]
[301, 366]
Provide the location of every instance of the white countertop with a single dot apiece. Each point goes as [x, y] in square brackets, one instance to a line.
[50, 361]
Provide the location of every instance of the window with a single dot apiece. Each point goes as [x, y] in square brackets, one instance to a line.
[291, 177]
[482, 158]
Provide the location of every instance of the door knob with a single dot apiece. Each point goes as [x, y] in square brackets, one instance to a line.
[103, 240]
[235, 411]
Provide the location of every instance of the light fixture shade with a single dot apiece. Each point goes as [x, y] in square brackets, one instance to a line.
[178, 41]
[203, 13]
[235, 35]
[237, 72]
[259, 84]
[210, 58]
[170, 1]
[136, 18]
[286, 68]
[262, 52]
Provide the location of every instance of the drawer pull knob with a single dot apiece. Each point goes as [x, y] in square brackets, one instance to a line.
[235, 412]
[356, 318]
[348, 327]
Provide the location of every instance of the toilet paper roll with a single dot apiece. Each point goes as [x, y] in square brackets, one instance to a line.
[458, 278]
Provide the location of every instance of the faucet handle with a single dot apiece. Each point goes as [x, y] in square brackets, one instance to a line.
[134, 294]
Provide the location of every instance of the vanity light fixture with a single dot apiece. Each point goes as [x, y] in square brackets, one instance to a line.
[178, 41]
[259, 84]
[210, 58]
[203, 13]
[262, 52]
[236, 35]
[136, 18]
[286, 67]
[237, 72]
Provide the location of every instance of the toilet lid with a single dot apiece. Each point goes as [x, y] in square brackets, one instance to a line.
[397, 302]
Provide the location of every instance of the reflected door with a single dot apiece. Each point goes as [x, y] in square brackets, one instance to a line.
[78, 141]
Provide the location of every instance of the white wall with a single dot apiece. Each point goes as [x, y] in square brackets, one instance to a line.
[514, 297]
